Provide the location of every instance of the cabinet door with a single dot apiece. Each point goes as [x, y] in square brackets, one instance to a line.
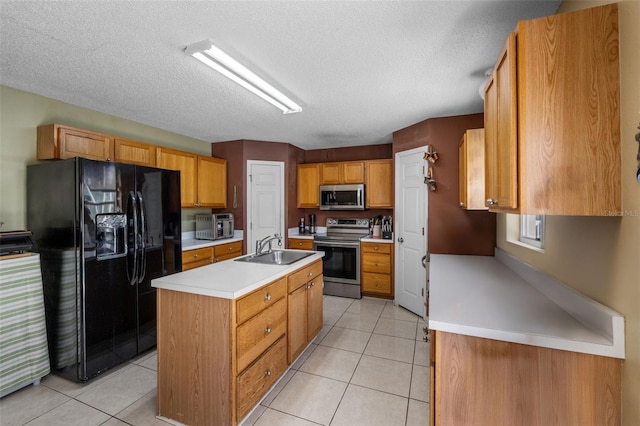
[353, 172]
[471, 170]
[379, 184]
[301, 243]
[187, 164]
[197, 258]
[308, 185]
[212, 182]
[331, 173]
[462, 172]
[297, 322]
[490, 142]
[133, 152]
[62, 142]
[507, 132]
[314, 307]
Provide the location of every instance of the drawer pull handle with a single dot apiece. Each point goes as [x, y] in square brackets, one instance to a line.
[267, 330]
[195, 255]
[310, 273]
[312, 283]
[267, 373]
[230, 248]
[375, 248]
[267, 297]
[300, 244]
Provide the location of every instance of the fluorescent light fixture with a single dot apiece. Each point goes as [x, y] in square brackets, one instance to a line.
[206, 52]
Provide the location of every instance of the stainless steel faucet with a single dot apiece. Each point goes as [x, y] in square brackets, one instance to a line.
[260, 245]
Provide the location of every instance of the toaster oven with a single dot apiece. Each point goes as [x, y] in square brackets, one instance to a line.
[214, 226]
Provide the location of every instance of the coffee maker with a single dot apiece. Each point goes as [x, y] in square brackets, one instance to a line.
[312, 223]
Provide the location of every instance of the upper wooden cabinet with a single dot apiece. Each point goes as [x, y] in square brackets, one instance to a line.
[308, 185]
[203, 180]
[552, 117]
[61, 142]
[471, 170]
[379, 184]
[134, 152]
[212, 182]
[342, 173]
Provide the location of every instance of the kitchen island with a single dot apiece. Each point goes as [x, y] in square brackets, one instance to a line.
[514, 346]
[228, 331]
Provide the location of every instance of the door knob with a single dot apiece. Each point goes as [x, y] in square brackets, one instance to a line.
[400, 240]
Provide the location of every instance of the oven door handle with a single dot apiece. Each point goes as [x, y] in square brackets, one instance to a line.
[337, 243]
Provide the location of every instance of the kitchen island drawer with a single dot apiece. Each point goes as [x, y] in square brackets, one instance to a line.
[301, 243]
[256, 380]
[260, 299]
[304, 275]
[256, 335]
[225, 250]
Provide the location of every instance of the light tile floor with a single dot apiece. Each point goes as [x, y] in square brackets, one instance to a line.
[368, 366]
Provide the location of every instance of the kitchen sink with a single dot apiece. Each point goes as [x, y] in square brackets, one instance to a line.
[276, 257]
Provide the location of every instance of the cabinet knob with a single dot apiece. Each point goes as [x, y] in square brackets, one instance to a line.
[217, 259]
[267, 330]
[309, 274]
[461, 204]
[230, 248]
[375, 248]
[313, 283]
[267, 373]
[195, 255]
[491, 202]
[267, 297]
[300, 244]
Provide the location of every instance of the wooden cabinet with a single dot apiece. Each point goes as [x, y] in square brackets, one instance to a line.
[61, 142]
[377, 269]
[227, 251]
[308, 186]
[203, 180]
[212, 182]
[347, 172]
[471, 170]
[379, 184]
[134, 152]
[552, 117]
[304, 308]
[300, 243]
[490, 382]
[196, 258]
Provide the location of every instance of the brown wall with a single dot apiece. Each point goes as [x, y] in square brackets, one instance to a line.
[451, 230]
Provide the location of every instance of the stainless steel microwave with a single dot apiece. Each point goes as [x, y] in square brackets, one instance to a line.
[342, 197]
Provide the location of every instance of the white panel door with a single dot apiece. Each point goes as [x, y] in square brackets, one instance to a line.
[410, 230]
[265, 201]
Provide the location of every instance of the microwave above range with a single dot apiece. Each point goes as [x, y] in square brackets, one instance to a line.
[214, 226]
[342, 197]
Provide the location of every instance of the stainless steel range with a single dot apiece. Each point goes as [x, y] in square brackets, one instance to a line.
[341, 262]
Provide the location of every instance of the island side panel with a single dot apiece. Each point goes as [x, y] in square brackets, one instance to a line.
[485, 381]
[194, 358]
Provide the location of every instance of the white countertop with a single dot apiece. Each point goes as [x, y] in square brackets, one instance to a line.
[191, 244]
[229, 279]
[482, 296]
[372, 239]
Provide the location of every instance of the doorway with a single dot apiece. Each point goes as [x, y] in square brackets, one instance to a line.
[411, 230]
[265, 201]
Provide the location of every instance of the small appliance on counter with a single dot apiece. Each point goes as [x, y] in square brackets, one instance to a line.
[15, 242]
[214, 226]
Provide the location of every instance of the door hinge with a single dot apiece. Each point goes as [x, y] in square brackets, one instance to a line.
[250, 178]
[423, 230]
[422, 292]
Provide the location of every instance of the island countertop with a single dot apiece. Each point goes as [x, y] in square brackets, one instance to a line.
[483, 296]
[229, 279]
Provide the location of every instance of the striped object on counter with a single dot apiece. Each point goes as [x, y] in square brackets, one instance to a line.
[24, 355]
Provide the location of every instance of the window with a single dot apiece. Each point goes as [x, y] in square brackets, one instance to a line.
[532, 230]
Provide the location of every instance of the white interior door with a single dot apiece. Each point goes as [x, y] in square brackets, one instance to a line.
[410, 230]
[265, 201]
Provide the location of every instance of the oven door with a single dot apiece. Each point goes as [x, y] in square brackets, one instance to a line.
[341, 261]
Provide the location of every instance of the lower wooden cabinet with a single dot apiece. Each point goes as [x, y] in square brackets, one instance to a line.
[218, 357]
[227, 251]
[196, 258]
[300, 244]
[489, 382]
[304, 308]
[377, 269]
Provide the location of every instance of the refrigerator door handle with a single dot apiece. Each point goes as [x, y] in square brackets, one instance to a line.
[132, 274]
[143, 238]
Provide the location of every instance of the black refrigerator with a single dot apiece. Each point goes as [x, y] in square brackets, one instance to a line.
[104, 230]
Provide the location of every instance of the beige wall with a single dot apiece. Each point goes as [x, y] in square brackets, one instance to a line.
[600, 256]
[22, 112]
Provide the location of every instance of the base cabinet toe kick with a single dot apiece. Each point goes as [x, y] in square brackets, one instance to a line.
[218, 357]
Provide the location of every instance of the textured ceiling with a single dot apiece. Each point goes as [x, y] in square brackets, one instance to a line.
[360, 70]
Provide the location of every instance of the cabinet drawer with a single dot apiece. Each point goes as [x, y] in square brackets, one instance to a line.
[225, 249]
[300, 244]
[257, 334]
[376, 283]
[304, 275]
[256, 380]
[196, 258]
[260, 299]
[374, 262]
[377, 248]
